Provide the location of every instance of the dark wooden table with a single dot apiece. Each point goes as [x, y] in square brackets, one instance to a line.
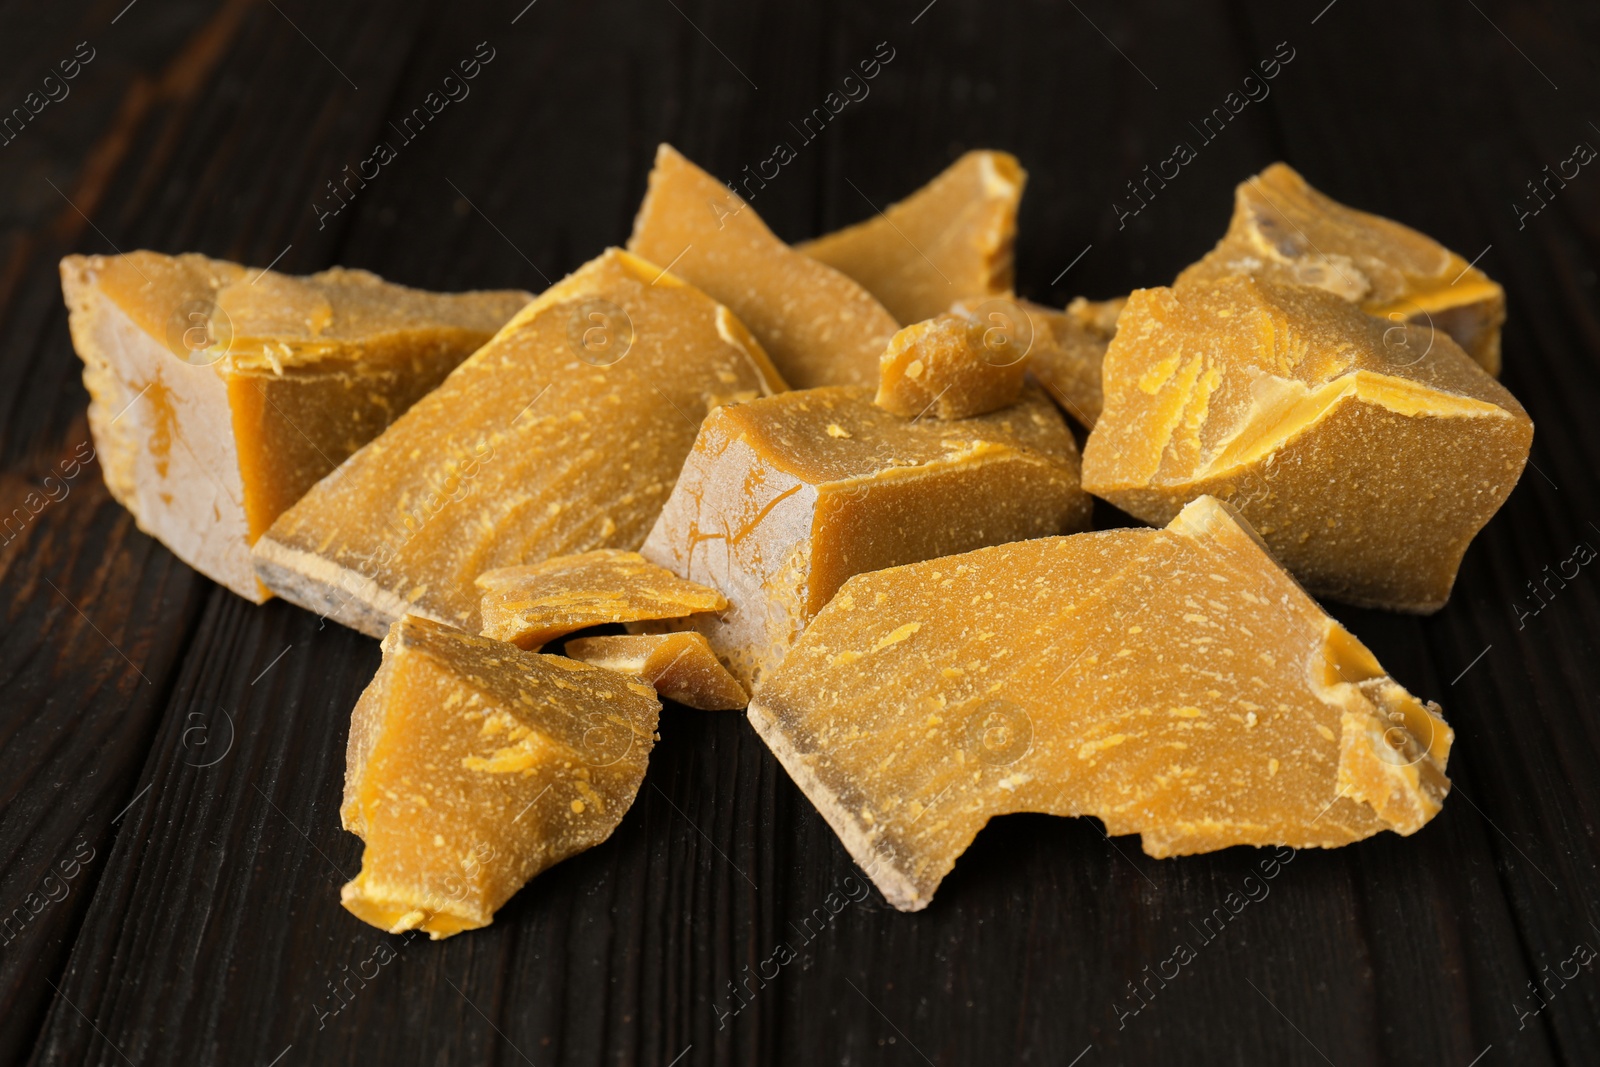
[171, 756]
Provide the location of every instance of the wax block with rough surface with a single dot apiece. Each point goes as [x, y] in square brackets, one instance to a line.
[783, 499]
[952, 239]
[537, 603]
[819, 327]
[681, 666]
[1285, 231]
[218, 395]
[1367, 455]
[562, 434]
[1068, 349]
[1173, 683]
[472, 766]
[951, 367]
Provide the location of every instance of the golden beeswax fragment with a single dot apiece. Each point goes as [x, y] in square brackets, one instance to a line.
[218, 395]
[1367, 455]
[1173, 683]
[472, 766]
[945, 368]
[952, 239]
[681, 666]
[782, 499]
[1285, 231]
[537, 603]
[1068, 349]
[819, 327]
[562, 434]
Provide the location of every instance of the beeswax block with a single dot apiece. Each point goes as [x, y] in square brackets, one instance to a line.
[535, 604]
[562, 434]
[1173, 683]
[1068, 349]
[953, 367]
[782, 499]
[819, 327]
[219, 395]
[472, 766]
[1367, 455]
[1285, 231]
[681, 666]
[952, 239]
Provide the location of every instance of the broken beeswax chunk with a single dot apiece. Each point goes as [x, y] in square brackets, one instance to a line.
[219, 395]
[1068, 349]
[1367, 455]
[681, 666]
[952, 239]
[535, 604]
[1173, 683]
[561, 435]
[472, 766]
[782, 499]
[950, 367]
[819, 327]
[1285, 231]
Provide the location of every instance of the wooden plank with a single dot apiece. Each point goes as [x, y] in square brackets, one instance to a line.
[1524, 765]
[215, 934]
[78, 731]
[57, 178]
[96, 614]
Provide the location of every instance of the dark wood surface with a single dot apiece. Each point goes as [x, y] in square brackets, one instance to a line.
[180, 751]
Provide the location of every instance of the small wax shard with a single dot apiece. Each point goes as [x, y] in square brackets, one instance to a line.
[534, 604]
[950, 367]
[1068, 349]
[819, 327]
[1285, 231]
[561, 435]
[218, 395]
[681, 666]
[784, 498]
[1173, 683]
[952, 239]
[1366, 454]
[472, 766]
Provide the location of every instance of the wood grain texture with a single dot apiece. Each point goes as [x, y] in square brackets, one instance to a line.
[206, 928]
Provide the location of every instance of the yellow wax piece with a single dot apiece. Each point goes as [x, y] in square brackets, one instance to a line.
[1173, 683]
[952, 239]
[1068, 349]
[1285, 231]
[819, 327]
[1367, 454]
[218, 395]
[950, 367]
[784, 498]
[562, 434]
[680, 665]
[472, 766]
[535, 604]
